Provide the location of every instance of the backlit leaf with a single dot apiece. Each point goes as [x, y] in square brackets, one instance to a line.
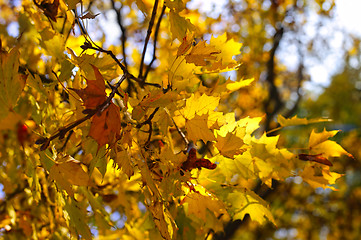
[201, 54]
[197, 128]
[298, 121]
[320, 144]
[247, 202]
[179, 26]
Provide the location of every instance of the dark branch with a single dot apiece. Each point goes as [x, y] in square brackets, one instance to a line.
[124, 32]
[274, 96]
[156, 33]
[125, 71]
[149, 32]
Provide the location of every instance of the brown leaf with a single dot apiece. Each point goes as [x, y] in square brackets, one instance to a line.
[89, 15]
[50, 9]
[194, 162]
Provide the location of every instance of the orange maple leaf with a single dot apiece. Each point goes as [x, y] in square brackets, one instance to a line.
[94, 94]
[105, 126]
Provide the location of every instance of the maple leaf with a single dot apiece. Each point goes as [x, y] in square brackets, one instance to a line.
[315, 180]
[186, 45]
[199, 105]
[320, 144]
[94, 93]
[247, 202]
[197, 128]
[201, 54]
[194, 162]
[124, 162]
[230, 144]
[227, 48]
[105, 128]
[163, 220]
[285, 122]
[78, 218]
[208, 202]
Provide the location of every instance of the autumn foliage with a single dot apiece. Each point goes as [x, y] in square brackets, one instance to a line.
[137, 140]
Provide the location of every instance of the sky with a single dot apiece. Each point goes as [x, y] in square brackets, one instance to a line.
[349, 16]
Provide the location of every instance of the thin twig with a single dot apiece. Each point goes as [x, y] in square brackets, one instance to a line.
[125, 71]
[156, 34]
[149, 119]
[186, 141]
[149, 32]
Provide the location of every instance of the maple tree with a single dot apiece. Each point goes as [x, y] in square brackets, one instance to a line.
[140, 139]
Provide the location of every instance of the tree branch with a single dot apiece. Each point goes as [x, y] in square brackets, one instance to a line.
[124, 32]
[274, 97]
[149, 32]
[155, 43]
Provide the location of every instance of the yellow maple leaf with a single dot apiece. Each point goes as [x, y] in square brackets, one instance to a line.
[315, 180]
[230, 145]
[226, 88]
[179, 26]
[227, 48]
[197, 128]
[199, 105]
[124, 162]
[247, 202]
[208, 202]
[163, 220]
[319, 143]
[201, 54]
[285, 122]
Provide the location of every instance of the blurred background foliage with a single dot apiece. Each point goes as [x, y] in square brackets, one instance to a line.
[281, 40]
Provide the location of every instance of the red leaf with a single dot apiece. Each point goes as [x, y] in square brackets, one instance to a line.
[194, 162]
